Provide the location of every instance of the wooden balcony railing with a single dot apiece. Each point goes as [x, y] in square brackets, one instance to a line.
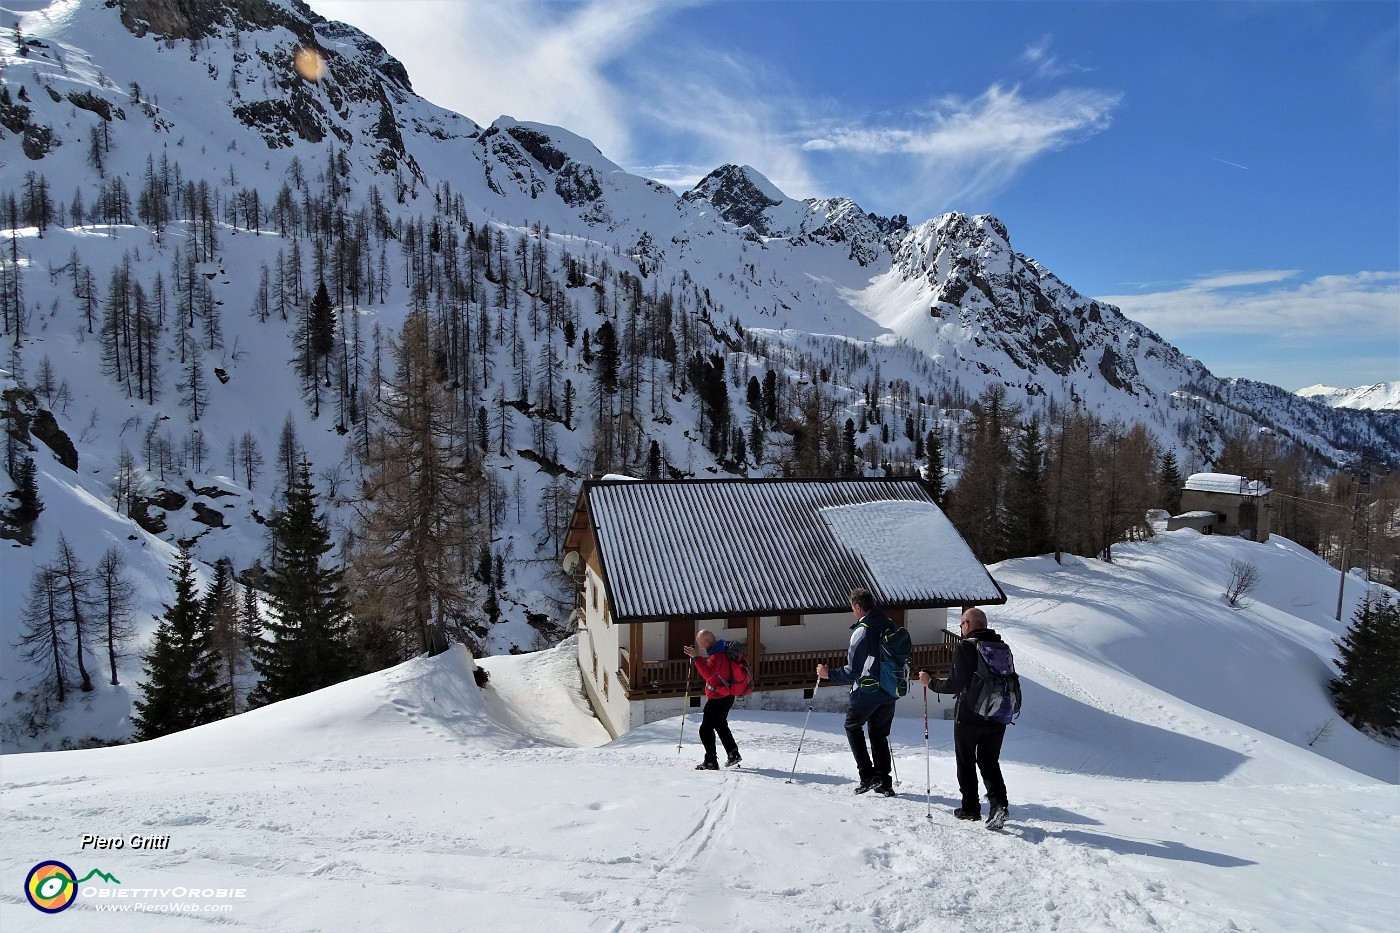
[776, 671]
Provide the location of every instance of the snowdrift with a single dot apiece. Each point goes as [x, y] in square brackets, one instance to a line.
[1148, 791]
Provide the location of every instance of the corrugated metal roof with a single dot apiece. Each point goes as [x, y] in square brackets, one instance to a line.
[712, 548]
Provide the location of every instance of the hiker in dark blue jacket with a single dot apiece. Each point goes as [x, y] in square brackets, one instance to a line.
[976, 739]
[869, 705]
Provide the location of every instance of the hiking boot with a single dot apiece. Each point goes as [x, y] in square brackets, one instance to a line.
[997, 818]
[964, 814]
[732, 760]
[866, 785]
[709, 764]
[884, 789]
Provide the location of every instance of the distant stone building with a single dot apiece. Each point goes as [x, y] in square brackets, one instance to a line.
[1224, 504]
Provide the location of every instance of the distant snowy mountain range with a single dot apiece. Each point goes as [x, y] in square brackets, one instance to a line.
[168, 159]
[1383, 396]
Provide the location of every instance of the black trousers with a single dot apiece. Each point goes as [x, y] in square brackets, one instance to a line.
[879, 717]
[977, 747]
[715, 719]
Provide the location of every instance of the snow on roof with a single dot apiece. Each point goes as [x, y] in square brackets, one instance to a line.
[895, 541]
[1226, 482]
[714, 548]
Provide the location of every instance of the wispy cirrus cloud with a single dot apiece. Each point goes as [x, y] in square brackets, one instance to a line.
[1270, 302]
[1045, 62]
[1000, 122]
[711, 108]
[544, 62]
[965, 148]
[676, 109]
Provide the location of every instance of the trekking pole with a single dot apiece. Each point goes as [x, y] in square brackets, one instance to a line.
[928, 774]
[804, 729]
[895, 765]
[685, 707]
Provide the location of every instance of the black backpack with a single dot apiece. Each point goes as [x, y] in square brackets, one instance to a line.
[999, 693]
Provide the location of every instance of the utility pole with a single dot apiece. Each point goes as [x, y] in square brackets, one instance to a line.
[1363, 482]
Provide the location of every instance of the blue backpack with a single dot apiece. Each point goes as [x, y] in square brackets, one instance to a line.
[999, 696]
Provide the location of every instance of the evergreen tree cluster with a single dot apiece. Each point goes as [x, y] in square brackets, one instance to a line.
[183, 686]
[1080, 487]
[307, 643]
[1367, 692]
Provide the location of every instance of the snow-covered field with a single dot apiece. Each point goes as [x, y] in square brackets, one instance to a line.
[1160, 778]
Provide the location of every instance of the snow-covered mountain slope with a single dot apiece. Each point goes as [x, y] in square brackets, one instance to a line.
[1381, 396]
[214, 90]
[172, 151]
[1160, 777]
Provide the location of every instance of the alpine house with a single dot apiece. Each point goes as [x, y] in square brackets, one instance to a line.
[770, 562]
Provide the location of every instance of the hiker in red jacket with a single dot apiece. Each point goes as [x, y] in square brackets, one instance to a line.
[712, 661]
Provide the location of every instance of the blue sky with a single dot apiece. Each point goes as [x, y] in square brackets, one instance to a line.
[1227, 173]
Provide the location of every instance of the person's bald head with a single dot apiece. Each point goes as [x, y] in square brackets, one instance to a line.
[705, 638]
[974, 618]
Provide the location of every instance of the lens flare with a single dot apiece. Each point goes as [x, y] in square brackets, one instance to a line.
[309, 64]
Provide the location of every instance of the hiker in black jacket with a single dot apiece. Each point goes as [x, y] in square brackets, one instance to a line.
[869, 704]
[976, 739]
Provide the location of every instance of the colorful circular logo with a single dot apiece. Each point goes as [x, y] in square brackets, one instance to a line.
[51, 887]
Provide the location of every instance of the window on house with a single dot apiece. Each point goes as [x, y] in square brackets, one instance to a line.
[595, 666]
[789, 618]
[605, 685]
[738, 621]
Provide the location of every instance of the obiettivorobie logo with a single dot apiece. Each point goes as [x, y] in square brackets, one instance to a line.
[52, 886]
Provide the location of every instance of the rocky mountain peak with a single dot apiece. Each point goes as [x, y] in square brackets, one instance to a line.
[740, 194]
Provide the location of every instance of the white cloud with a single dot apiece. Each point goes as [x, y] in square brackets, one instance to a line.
[721, 109]
[1045, 62]
[544, 62]
[999, 124]
[966, 148]
[598, 69]
[1363, 304]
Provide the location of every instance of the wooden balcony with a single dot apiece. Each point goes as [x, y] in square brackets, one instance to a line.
[776, 671]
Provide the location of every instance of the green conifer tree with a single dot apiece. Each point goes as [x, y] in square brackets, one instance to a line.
[308, 644]
[1169, 483]
[933, 472]
[1367, 693]
[183, 687]
[1027, 504]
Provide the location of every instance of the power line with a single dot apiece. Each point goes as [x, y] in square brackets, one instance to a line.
[1344, 509]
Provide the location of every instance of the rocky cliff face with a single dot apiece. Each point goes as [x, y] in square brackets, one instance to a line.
[1014, 304]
